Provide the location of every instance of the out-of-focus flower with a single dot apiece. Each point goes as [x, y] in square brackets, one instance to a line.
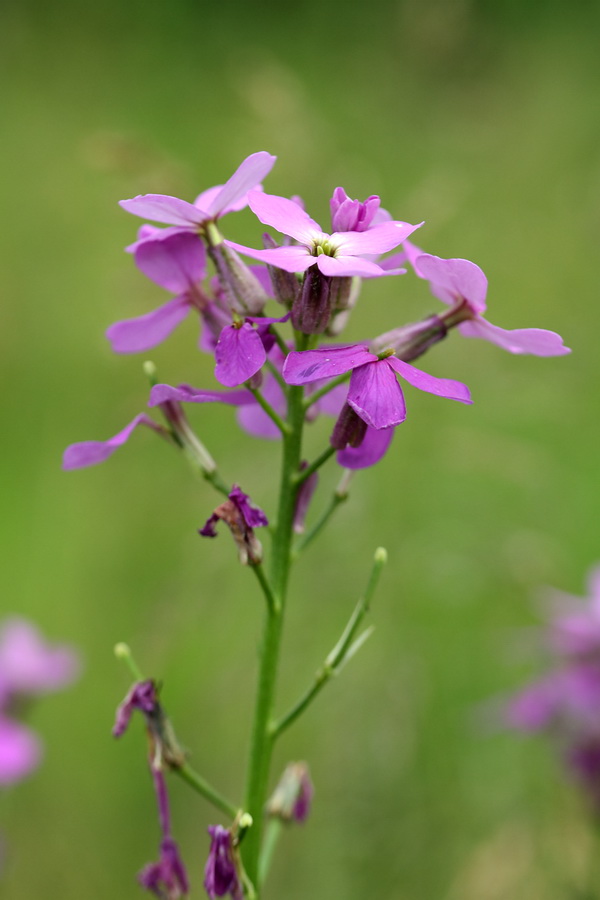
[220, 874]
[565, 703]
[292, 799]
[29, 667]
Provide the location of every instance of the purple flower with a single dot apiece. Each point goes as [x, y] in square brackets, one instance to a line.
[337, 255]
[30, 665]
[242, 518]
[462, 284]
[167, 878]
[220, 874]
[242, 349]
[374, 393]
[89, 453]
[208, 206]
[20, 751]
[292, 799]
[142, 696]
[177, 263]
[575, 628]
[352, 215]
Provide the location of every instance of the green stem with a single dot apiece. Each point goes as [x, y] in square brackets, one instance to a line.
[272, 835]
[338, 497]
[274, 416]
[261, 745]
[272, 602]
[316, 464]
[204, 788]
[341, 653]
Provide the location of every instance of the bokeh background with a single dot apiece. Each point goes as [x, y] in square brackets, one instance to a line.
[481, 118]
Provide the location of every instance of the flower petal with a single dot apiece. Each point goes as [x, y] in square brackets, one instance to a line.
[304, 366]
[163, 393]
[349, 266]
[536, 341]
[443, 387]
[88, 453]
[460, 278]
[285, 216]
[20, 751]
[249, 173]
[290, 259]
[166, 209]
[379, 239]
[175, 262]
[143, 332]
[239, 353]
[375, 395]
[373, 448]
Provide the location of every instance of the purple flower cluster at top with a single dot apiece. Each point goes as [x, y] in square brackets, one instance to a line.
[316, 276]
[29, 667]
[566, 701]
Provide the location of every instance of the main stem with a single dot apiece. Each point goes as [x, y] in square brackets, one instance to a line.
[262, 740]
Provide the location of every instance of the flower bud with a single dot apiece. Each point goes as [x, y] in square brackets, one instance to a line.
[293, 795]
[349, 430]
[411, 341]
[285, 284]
[242, 289]
[311, 311]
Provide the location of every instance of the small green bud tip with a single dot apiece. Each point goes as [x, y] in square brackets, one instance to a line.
[149, 369]
[381, 556]
[122, 651]
[246, 820]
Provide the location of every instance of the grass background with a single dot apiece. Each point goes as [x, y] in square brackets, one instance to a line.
[481, 119]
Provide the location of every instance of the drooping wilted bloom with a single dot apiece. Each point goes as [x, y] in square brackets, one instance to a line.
[291, 801]
[462, 284]
[141, 696]
[166, 878]
[220, 874]
[209, 205]
[341, 254]
[242, 518]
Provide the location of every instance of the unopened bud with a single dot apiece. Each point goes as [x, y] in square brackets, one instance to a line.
[349, 430]
[242, 289]
[292, 798]
[411, 341]
[286, 286]
[311, 311]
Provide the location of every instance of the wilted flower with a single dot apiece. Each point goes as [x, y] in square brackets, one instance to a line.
[220, 874]
[242, 518]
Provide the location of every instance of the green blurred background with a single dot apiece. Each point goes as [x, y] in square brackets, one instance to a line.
[482, 119]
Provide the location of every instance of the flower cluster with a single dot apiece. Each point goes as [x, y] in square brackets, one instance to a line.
[29, 667]
[566, 702]
[272, 328]
[316, 276]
